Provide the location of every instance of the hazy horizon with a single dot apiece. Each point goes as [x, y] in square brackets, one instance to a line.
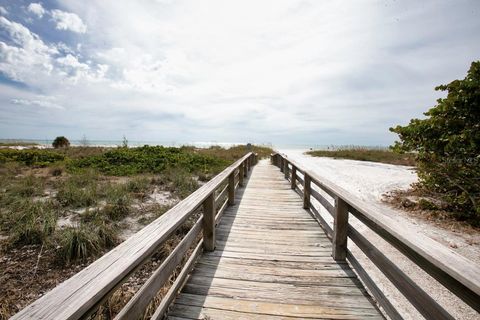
[280, 72]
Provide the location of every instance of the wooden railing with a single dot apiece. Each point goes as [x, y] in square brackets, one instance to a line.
[457, 274]
[82, 294]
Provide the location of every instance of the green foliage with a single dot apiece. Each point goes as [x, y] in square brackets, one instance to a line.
[179, 182]
[365, 154]
[447, 143]
[139, 184]
[34, 221]
[28, 186]
[60, 142]
[30, 157]
[77, 243]
[118, 208]
[80, 190]
[147, 159]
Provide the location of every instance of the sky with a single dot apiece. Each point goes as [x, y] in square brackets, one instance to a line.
[281, 72]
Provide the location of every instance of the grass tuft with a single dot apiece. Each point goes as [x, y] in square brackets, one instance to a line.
[366, 154]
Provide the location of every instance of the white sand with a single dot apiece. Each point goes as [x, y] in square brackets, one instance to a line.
[369, 181]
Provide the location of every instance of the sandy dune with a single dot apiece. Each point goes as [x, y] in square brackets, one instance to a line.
[369, 181]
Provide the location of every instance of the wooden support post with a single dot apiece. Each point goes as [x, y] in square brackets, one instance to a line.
[281, 163]
[209, 223]
[245, 169]
[340, 227]
[285, 168]
[306, 190]
[240, 175]
[231, 188]
[294, 177]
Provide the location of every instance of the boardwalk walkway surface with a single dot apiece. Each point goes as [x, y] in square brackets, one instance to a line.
[272, 261]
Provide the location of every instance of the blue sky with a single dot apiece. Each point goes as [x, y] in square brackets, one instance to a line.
[289, 72]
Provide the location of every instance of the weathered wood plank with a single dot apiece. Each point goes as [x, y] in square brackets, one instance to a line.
[177, 284]
[272, 253]
[139, 302]
[340, 227]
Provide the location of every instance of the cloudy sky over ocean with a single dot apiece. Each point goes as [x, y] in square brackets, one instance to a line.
[320, 72]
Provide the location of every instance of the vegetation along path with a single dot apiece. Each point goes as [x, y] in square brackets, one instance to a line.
[272, 260]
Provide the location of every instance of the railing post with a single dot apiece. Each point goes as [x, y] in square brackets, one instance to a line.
[307, 184]
[340, 227]
[240, 175]
[245, 169]
[285, 168]
[209, 223]
[294, 177]
[281, 163]
[231, 188]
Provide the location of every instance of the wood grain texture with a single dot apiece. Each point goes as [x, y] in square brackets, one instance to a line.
[272, 261]
[340, 227]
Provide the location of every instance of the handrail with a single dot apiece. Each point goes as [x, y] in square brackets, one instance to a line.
[81, 294]
[458, 274]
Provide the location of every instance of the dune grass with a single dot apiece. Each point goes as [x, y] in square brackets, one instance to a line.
[366, 154]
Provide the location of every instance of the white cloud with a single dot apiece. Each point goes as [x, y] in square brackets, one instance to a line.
[249, 70]
[44, 103]
[30, 57]
[68, 21]
[3, 11]
[37, 9]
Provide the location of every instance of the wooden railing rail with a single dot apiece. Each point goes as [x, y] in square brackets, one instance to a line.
[458, 274]
[79, 296]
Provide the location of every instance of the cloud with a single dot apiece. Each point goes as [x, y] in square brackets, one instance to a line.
[269, 71]
[26, 55]
[37, 9]
[68, 21]
[44, 103]
[3, 11]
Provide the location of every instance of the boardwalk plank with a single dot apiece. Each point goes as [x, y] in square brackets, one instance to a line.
[271, 261]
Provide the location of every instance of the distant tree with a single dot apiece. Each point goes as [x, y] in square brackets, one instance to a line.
[60, 142]
[447, 143]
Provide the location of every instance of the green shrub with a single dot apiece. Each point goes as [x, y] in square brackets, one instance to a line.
[148, 159]
[31, 157]
[447, 143]
[60, 142]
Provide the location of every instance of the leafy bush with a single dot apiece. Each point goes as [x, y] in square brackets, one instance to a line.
[31, 157]
[447, 143]
[148, 159]
[60, 142]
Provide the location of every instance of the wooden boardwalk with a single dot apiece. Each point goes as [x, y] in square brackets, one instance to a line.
[271, 261]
